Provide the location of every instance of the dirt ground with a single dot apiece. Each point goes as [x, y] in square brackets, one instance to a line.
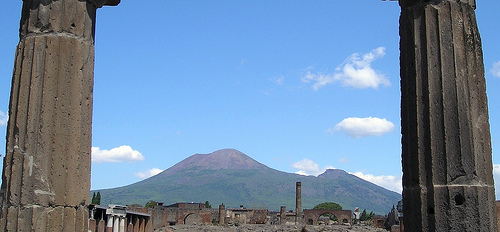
[270, 228]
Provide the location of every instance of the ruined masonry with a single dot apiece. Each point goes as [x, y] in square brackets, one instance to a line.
[447, 166]
[447, 180]
[46, 173]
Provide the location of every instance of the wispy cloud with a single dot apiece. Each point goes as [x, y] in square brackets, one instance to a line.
[344, 160]
[308, 167]
[3, 118]
[148, 173]
[116, 155]
[355, 72]
[393, 183]
[280, 80]
[496, 69]
[363, 127]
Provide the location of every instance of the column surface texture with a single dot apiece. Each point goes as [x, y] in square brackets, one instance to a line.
[298, 202]
[446, 144]
[46, 173]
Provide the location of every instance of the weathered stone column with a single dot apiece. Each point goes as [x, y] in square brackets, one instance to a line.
[446, 144]
[283, 215]
[222, 214]
[109, 225]
[298, 202]
[46, 173]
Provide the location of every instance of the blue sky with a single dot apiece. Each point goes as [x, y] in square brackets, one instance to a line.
[297, 85]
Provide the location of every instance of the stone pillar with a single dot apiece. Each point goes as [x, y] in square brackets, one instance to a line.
[222, 214]
[298, 202]
[137, 224]
[92, 225]
[283, 215]
[122, 224]
[446, 144]
[109, 225]
[101, 226]
[116, 224]
[142, 227]
[46, 172]
[148, 224]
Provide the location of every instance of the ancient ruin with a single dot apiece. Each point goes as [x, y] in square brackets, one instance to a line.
[448, 182]
[46, 173]
[447, 165]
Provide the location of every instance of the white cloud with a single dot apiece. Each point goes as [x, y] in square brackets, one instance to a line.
[3, 118]
[355, 72]
[308, 167]
[116, 155]
[344, 160]
[362, 127]
[496, 69]
[148, 173]
[280, 81]
[393, 183]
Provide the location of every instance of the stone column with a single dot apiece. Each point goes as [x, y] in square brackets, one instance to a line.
[46, 173]
[222, 214]
[122, 224]
[283, 215]
[116, 224]
[109, 225]
[446, 144]
[298, 202]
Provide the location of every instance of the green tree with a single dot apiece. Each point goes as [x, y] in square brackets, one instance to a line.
[328, 205]
[150, 204]
[93, 199]
[207, 205]
[366, 216]
[96, 198]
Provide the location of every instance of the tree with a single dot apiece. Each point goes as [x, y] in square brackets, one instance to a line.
[207, 205]
[150, 204]
[96, 198]
[93, 199]
[366, 216]
[329, 206]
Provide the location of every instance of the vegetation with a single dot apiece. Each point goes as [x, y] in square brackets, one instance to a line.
[328, 205]
[96, 198]
[207, 205]
[151, 204]
[365, 217]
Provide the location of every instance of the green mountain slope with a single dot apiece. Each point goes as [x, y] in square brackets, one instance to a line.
[230, 177]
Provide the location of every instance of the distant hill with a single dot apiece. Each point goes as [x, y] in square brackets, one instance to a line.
[233, 178]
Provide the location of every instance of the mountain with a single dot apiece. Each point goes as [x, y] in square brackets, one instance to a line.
[228, 176]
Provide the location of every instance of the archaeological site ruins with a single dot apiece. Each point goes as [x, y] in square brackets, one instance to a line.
[446, 144]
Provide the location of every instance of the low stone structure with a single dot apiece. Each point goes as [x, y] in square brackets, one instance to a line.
[117, 218]
[247, 216]
[379, 221]
[311, 216]
[181, 213]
